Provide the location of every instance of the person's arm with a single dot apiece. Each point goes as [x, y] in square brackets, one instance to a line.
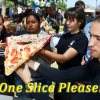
[24, 74]
[74, 74]
[61, 58]
[2, 45]
[79, 46]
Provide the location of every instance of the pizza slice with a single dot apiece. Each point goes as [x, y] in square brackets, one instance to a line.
[19, 49]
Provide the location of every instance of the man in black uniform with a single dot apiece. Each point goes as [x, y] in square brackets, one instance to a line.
[89, 72]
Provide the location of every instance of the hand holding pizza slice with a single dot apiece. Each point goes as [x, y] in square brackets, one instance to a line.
[19, 49]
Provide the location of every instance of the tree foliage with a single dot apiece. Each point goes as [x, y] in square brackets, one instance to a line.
[9, 4]
[62, 5]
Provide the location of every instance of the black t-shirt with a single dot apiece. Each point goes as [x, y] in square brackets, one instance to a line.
[77, 41]
[3, 34]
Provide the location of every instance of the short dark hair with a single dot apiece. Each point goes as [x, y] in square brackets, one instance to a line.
[76, 13]
[97, 10]
[97, 19]
[56, 27]
[79, 4]
[35, 15]
[97, 13]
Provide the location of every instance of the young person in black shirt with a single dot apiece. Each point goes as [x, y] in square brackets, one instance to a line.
[72, 45]
[89, 72]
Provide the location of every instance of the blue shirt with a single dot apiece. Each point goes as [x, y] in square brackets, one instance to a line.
[86, 30]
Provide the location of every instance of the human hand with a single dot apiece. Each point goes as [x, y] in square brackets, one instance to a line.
[24, 74]
[2, 45]
[43, 52]
[83, 61]
[33, 64]
[0, 41]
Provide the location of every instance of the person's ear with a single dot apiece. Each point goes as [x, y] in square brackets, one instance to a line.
[79, 23]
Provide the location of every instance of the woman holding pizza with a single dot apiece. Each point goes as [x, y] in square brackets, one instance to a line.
[71, 46]
[33, 27]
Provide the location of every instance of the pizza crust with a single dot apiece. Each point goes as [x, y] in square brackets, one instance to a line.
[17, 53]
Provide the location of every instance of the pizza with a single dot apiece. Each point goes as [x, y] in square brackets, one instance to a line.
[21, 48]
